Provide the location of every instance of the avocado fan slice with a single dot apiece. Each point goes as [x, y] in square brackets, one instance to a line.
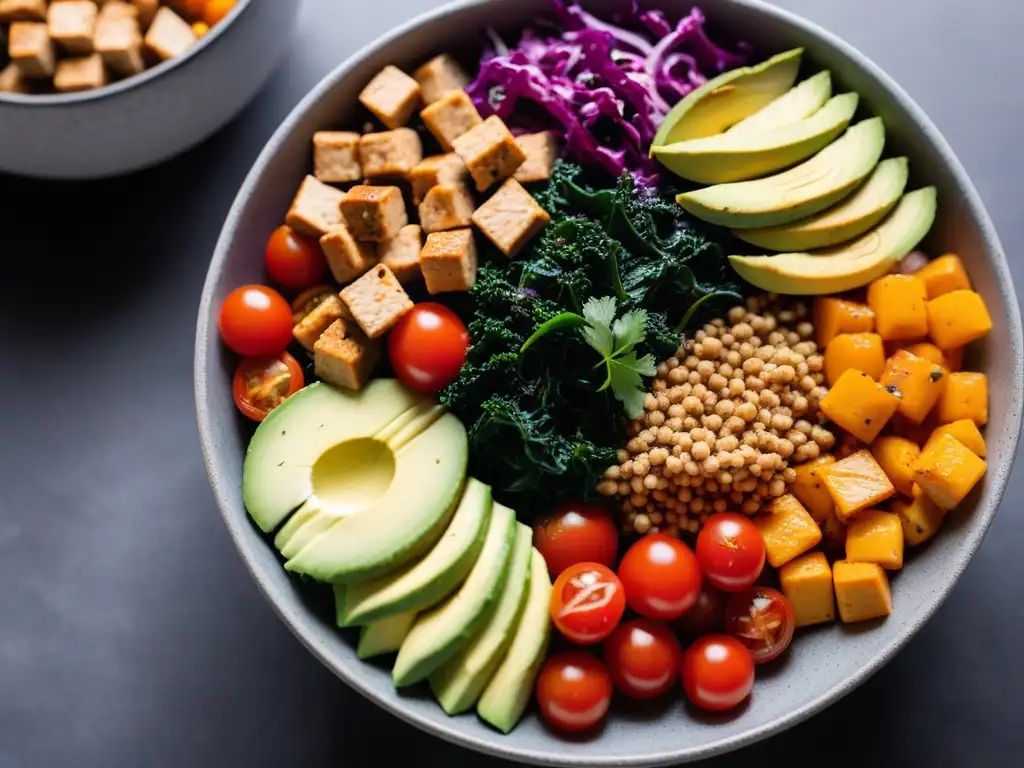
[385, 636]
[799, 102]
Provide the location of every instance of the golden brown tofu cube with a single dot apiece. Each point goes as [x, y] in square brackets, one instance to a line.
[489, 151]
[72, 24]
[31, 49]
[434, 170]
[336, 156]
[807, 583]
[401, 254]
[446, 206]
[392, 96]
[948, 470]
[874, 536]
[450, 117]
[862, 591]
[147, 10]
[12, 81]
[439, 77]
[80, 74]
[788, 530]
[541, 150]
[390, 153]
[347, 258]
[169, 35]
[118, 40]
[22, 10]
[345, 359]
[510, 218]
[449, 261]
[376, 301]
[374, 214]
[116, 9]
[314, 211]
[322, 316]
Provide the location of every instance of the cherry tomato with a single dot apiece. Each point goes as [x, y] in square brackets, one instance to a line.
[661, 577]
[293, 261]
[428, 347]
[718, 673]
[255, 321]
[309, 300]
[215, 10]
[262, 383]
[707, 616]
[587, 602]
[731, 551]
[643, 657]
[762, 619]
[574, 691]
[577, 532]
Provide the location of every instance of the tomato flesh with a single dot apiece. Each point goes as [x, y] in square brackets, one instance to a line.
[587, 602]
[718, 673]
[707, 616]
[643, 658]
[577, 532]
[255, 321]
[762, 619]
[574, 691]
[263, 383]
[661, 577]
[428, 347]
[293, 261]
[731, 551]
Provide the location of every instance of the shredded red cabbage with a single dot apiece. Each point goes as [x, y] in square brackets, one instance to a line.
[604, 87]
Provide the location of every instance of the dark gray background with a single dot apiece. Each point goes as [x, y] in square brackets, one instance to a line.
[131, 635]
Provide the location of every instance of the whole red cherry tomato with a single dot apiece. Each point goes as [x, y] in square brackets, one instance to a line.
[587, 602]
[707, 616]
[293, 261]
[428, 347]
[731, 551]
[255, 321]
[718, 673]
[577, 532]
[263, 383]
[661, 577]
[573, 691]
[762, 619]
[643, 658]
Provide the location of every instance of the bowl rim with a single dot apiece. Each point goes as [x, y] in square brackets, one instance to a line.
[297, 617]
[129, 83]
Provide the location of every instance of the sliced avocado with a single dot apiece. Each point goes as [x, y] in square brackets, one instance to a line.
[306, 513]
[737, 157]
[503, 701]
[444, 630]
[854, 216]
[725, 100]
[458, 684]
[796, 104]
[385, 636]
[433, 578]
[848, 266]
[812, 186]
[316, 522]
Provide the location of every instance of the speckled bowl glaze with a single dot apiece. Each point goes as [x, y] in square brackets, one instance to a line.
[149, 118]
[823, 664]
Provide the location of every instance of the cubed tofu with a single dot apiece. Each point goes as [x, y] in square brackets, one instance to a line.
[374, 214]
[390, 153]
[22, 10]
[12, 81]
[920, 517]
[450, 117]
[833, 316]
[169, 35]
[897, 456]
[510, 218]
[857, 483]
[875, 536]
[345, 359]
[862, 591]
[489, 151]
[336, 157]
[958, 318]
[347, 258]
[117, 9]
[322, 316]
[82, 73]
[860, 405]
[392, 96]
[807, 584]
[449, 261]
[118, 40]
[917, 382]
[434, 170]
[541, 150]
[965, 397]
[944, 275]
[900, 304]
[401, 254]
[859, 351]
[446, 206]
[31, 49]
[439, 77]
[809, 488]
[72, 24]
[964, 430]
[788, 530]
[314, 211]
[947, 471]
[376, 301]
[147, 10]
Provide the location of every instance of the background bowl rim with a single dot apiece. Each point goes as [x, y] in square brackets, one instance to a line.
[298, 618]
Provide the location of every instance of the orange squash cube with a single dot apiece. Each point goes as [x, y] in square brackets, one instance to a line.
[833, 315]
[807, 583]
[921, 517]
[917, 382]
[958, 318]
[862, 591]
[874, 536]
[809, 488]
[943, 275]
[918, 434]
[833, 535]
[948, 471]
[897, 456]
[856, 483]
[966, 431]
[965, 397]
[788, 530]
[859, 351]
[900, 304]
[860, 405]
[928, 351]
[954, 359]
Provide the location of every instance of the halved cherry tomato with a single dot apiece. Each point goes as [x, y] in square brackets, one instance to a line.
[428, 347]
[707, 616]
[574, 691]
[309, 300]
[293, 261]
[718, 673]
[643, 658]
[255, 321]
[587, 602]
[762, 619]
[661, 577]
[262, 383]
[577, 532]
[731, 551]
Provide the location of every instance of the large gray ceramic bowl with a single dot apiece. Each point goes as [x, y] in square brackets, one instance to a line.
[149, 118]
[824, 664]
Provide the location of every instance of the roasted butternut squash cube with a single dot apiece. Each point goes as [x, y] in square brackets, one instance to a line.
[874, 536]
[918, 434]
[857, 351]
[897, 456]
[860, 405]
[809, 488]
[862, 591]
[788, 530]
[965, 397]
[966, 431]
[856, 483]
[917, 382]
[943, 275]
[954, 359]
[833, 315]
[900, 304]
[833, 535]
[920, 517]
[948, 471]
[807, 583]
[958, 318]
[933, 354]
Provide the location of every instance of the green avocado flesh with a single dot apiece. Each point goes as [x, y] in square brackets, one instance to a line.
[444, 630]
[731, 157]
[798, 103]
[385, 636]
[810, 187]
[729, 98]
[854, 216]
[460, 681]
[848, 266]
[505, 698]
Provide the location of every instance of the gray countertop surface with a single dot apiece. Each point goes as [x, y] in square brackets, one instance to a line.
[130, 633]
